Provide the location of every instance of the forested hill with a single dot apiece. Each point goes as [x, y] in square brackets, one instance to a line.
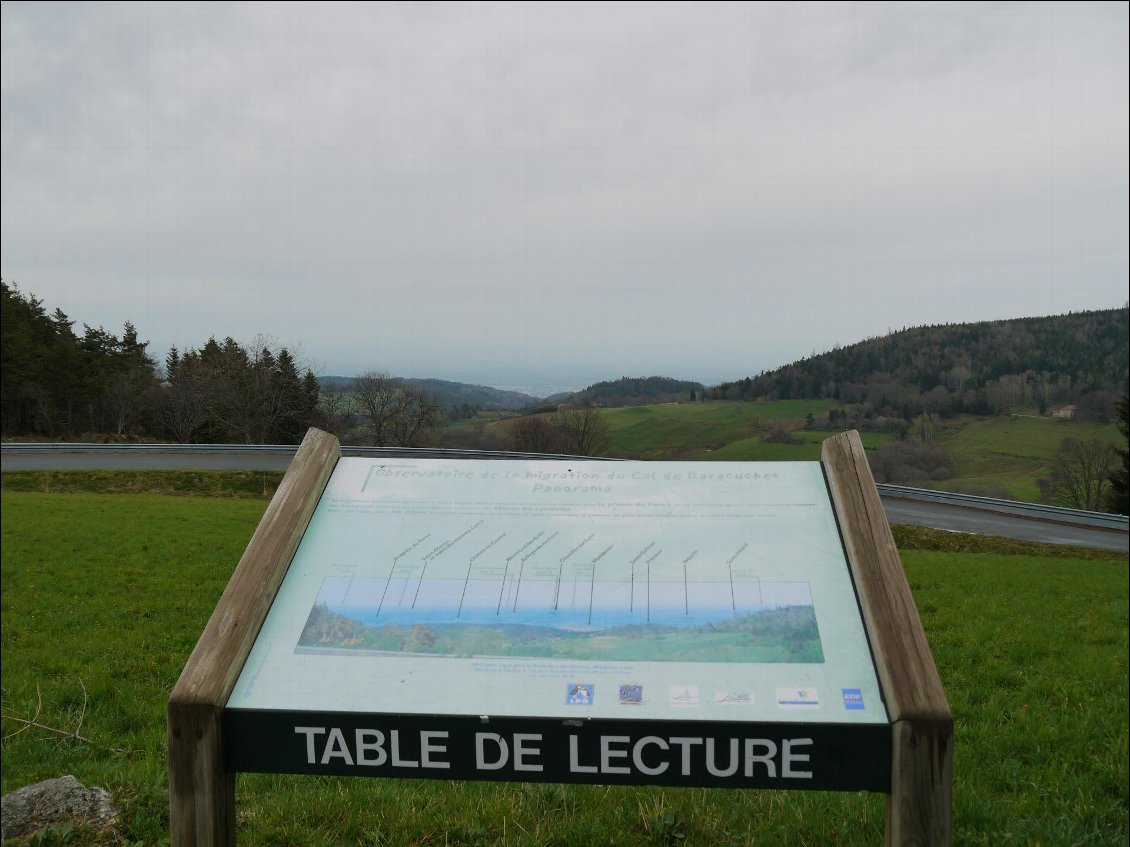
[983, 368]
[638, 391]
[454, 395]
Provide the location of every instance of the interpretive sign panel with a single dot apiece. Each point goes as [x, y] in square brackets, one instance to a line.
[739, 625]
[675, 623]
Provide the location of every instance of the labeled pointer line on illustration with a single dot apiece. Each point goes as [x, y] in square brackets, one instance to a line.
[423, 571]
[592, 585]
[518, 584]
[384, 593]
[404, 588]
[502, 589]
[463, 596]
[730, 565]
[348, 588]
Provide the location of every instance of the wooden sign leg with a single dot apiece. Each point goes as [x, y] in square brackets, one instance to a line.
[201, 792]
[920, 805]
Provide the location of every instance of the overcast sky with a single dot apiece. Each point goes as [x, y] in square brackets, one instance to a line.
[546, 195]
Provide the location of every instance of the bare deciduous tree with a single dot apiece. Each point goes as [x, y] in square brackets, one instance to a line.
[128, 398]
[579, 430]
[534, 434]
[396, 414]
[1080, 474]
[181, 411]
[908, 461]
[583, 431]
[335, 409]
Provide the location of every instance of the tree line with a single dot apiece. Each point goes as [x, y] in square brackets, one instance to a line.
[993, 367]
[638, 391]
[59, 383]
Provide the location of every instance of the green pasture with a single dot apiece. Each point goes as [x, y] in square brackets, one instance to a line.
[103, 597]
[1002, 456]
[1007, 455]
[687, 430]
[997, 456]
[756, 450]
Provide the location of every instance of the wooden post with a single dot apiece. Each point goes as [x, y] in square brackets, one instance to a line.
[920, 805]
[201, 792]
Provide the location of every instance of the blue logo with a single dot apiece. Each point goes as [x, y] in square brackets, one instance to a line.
[579, 694]
[853, 699]
[631, 695]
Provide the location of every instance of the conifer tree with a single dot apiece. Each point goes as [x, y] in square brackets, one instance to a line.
[1117, 499]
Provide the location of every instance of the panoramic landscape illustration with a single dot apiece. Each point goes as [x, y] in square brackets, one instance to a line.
[490, 622]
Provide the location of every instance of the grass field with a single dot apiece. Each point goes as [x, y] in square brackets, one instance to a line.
[675, 431]
[1000, 456]
[1009, 453]
[689, 430]
[103, 597]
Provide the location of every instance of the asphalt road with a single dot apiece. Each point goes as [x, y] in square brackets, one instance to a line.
[979, 521]
[985, 522]
[138, 460]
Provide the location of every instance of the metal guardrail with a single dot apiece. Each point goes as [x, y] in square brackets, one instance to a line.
[452, 453]
[1036, 511]
[284, 450]
[84, 447]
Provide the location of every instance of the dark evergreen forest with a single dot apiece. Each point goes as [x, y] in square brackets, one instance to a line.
[989, 368]
[58, 383]
[638, 391]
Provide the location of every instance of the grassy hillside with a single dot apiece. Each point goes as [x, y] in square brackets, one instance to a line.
[104, 596]
[756, 450]
[1004, 456]
[689, 430]
[997, 456]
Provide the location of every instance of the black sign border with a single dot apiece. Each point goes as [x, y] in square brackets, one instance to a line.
[843, 757]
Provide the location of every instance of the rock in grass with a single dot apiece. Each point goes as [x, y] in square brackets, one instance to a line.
[55, 802]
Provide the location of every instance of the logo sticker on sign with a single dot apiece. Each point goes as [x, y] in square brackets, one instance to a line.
[684, 695]
[631, 695]
[853, 699]
[798, 698]
[733, 698]
[579, 694]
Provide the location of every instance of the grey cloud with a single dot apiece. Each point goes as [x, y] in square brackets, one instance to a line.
[705, 189]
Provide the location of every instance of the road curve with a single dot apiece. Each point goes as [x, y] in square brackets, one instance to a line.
[906, 507]
[980, 521]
